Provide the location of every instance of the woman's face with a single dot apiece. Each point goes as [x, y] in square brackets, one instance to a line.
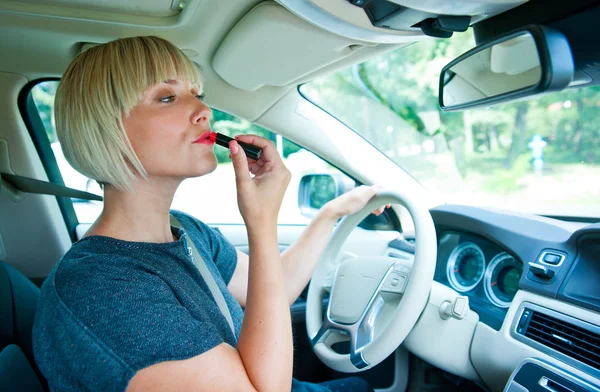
[162, 129]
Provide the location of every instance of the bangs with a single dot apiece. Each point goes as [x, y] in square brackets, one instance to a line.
[141, 63]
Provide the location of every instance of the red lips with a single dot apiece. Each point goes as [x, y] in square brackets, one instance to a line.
[206, 138]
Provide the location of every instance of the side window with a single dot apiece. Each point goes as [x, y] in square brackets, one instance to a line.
[210, 198]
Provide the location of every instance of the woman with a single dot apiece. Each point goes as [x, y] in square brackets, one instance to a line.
[126, 307]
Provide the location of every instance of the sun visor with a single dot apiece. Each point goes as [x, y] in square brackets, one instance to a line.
[270, 46]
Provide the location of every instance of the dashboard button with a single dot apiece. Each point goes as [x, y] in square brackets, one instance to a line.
[459, 305]
[540, 271]
[395, 283]
[552, 258]
[402, 268]
[457, 308]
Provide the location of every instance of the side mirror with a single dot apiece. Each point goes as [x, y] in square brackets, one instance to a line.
[526, 62]
[315, 190]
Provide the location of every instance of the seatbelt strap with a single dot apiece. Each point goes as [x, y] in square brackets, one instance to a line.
[30, 185]
[207, 276]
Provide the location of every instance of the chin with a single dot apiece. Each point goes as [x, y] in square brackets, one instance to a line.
[212, 167]
[207, 167]
[203, 166]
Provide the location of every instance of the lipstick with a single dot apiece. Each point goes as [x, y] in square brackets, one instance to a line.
[251, 151]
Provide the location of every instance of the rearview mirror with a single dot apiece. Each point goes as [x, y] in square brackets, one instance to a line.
[523, 63]
[316, 190]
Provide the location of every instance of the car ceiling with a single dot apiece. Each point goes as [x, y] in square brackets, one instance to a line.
[38, 40]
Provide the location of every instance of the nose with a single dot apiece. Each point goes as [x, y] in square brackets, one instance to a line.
[201, 114]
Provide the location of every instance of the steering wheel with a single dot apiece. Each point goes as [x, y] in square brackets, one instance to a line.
[375, 301]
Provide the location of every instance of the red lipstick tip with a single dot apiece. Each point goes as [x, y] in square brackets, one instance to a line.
[213, 137]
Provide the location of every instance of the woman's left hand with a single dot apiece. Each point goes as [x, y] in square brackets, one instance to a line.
[353, 201]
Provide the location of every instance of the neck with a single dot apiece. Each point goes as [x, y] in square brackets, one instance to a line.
[141, 215]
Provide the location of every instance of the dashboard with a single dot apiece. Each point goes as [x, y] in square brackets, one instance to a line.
[480, 270]
[533, 288]
[488, 255]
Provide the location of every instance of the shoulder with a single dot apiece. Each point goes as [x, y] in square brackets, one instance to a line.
[87, 259]
[68, 300]
[190, 222]
[200, 230]
[93, 272]
[119, 313]
[211, 243]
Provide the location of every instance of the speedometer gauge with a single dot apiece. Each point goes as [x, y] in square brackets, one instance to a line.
[465, 267]
[502, 279]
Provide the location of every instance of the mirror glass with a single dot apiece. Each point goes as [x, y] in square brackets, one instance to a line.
[315, 190]
[506, 66]
[322, 188]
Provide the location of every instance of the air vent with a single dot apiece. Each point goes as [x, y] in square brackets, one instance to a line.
[562, 336]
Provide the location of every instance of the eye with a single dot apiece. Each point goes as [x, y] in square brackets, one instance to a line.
[201, 97]
[167, 99]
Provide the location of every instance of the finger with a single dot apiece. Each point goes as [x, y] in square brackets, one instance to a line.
[254, 139]
[378, 211]
[369, 191]
[269, 151]
[254, 168]
[240, 162]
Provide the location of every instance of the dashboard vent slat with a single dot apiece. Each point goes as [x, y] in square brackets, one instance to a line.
[574, 339]
[566, 338]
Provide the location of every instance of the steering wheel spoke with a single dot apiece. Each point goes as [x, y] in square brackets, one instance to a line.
[360, 333]
[385, 277]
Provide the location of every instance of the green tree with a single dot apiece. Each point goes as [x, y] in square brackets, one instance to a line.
[43, 96]
[229, 125]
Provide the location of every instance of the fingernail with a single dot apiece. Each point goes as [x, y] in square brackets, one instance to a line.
[234, 148]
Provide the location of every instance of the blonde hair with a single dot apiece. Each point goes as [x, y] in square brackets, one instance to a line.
[101, 87]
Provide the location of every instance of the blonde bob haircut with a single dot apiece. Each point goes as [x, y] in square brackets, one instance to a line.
[100, 88]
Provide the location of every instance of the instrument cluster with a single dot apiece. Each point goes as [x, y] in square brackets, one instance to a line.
[477, 268]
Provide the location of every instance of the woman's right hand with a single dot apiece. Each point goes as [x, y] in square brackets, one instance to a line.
[259, 197]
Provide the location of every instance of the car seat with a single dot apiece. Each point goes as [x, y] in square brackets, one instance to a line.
[18, 303]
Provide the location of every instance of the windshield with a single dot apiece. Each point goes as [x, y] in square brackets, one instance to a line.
[537, 156]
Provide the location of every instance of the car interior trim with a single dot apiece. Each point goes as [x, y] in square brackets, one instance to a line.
[545, 348]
